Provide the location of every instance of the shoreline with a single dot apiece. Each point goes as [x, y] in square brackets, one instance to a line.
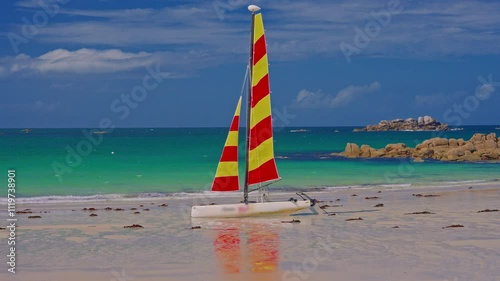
[275, 194]
[148, 196]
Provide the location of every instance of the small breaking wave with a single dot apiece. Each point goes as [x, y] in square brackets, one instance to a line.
[88, 198]
[279, 190]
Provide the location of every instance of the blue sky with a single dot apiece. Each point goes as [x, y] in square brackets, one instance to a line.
[69, 63]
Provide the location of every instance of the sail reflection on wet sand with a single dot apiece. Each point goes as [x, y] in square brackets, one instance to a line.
[246, 249]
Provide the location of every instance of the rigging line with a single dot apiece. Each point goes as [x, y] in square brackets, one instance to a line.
[262, 186]
[244, 81]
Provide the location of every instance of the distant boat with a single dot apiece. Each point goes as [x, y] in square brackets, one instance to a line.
[260, 164]
[26, 131]
[299, 131]
[497, 128]
[456, 129]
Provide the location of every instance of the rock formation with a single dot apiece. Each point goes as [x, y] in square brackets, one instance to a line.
[425, 123]
[480, 147]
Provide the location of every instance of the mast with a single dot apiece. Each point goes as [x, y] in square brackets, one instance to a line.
[253, 9]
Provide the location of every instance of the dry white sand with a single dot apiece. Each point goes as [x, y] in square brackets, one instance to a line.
[70, 245]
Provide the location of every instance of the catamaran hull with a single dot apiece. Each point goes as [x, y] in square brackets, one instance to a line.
[248, 210]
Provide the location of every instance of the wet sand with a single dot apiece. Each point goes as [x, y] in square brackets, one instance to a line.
[405, 239]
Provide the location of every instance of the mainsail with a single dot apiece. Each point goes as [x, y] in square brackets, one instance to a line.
[261, 163]
[226, 176]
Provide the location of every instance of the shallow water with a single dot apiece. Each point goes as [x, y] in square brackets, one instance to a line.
[155, 162]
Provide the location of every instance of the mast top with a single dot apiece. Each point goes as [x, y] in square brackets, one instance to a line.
[253, 8]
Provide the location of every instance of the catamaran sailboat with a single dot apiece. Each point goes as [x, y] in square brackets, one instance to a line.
[260, 164]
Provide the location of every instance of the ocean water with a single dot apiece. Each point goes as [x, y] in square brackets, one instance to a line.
[146, 162]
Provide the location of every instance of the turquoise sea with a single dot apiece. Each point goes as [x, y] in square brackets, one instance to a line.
[144, 162]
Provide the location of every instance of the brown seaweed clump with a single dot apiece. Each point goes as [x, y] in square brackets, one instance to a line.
[133, 226]
[425, 195]
[34, 217]
[453, 226]
[379, 205]
[292, 221]
[420, 213]
[93, 215]
[373, 197]
[354, 219]
[488, 210]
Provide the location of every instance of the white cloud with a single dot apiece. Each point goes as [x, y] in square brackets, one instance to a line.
[346, 95]
[422, 29]
[131, 14]
[295, 29]
[92, 61]
[80, 61]
[171, 26]
[310, 100]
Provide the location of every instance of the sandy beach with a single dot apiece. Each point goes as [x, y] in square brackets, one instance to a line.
[406, 238]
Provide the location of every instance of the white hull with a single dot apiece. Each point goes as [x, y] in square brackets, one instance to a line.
[248, 210]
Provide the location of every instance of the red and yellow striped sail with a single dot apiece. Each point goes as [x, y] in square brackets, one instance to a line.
[262, 166]
[226, 176]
